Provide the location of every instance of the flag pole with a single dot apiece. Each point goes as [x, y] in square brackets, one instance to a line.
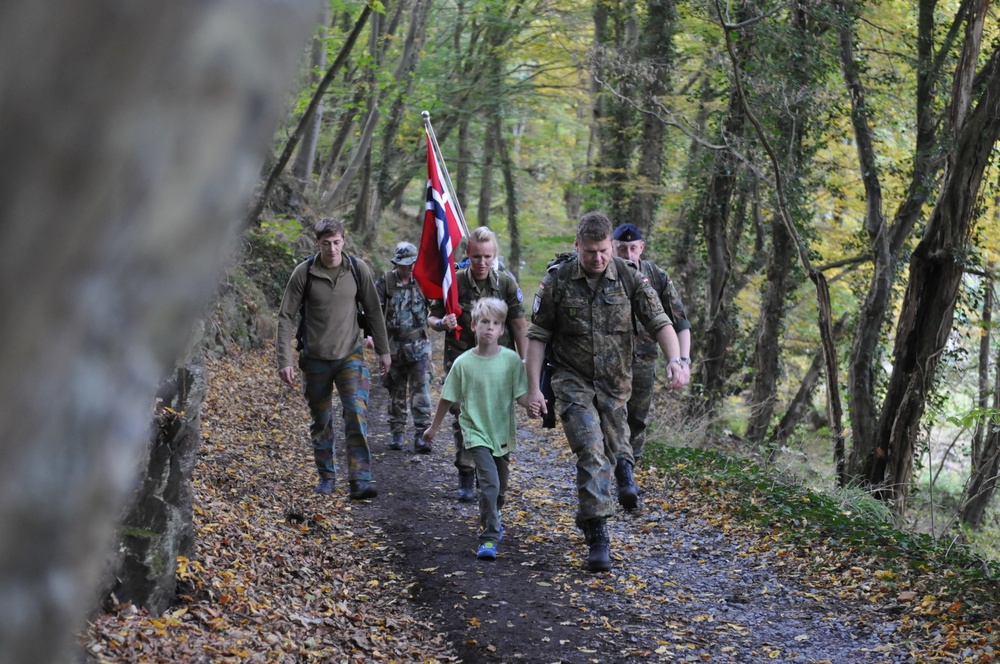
[444, 169]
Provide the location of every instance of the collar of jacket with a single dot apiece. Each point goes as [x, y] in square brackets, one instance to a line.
[492, 279]
[610, 272]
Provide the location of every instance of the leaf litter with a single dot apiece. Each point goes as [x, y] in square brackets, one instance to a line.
[281, 574]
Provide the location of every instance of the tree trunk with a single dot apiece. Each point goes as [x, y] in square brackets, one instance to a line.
[416, 36]
[510, 187]
[985, 455]
[302, 167]
[936, 270]
[767, 349]
[800, 402]
[716, 216]
[486, 178]
[141, 153]
[656, 51]
[360, 153]
[716, 219]
[616, 36]
[885, 242]
[286, 153]
[983, 397]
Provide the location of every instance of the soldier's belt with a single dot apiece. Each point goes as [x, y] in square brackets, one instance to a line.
[410, 336]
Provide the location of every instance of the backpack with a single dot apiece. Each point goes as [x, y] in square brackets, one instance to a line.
[300, 333]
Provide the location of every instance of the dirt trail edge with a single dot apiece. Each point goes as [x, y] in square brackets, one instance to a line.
[680, 589]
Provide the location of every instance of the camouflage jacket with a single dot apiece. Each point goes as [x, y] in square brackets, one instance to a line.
[497, 284]
[645, 345]
[591, 330]
[405, 309]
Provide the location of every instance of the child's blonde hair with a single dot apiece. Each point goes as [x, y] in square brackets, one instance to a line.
[489, 306]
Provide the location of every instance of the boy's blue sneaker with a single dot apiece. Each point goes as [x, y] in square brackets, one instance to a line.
[487, 551]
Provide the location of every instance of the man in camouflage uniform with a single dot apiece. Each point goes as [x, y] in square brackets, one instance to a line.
[585, 307]
[629, 244]
[406, 309]
[479, 279]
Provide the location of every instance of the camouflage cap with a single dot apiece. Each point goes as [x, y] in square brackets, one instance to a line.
[406, 254]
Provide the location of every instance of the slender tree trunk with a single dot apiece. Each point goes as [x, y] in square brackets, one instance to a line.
[616, 36]
[302, 167]
[685, 254]
[486, 178]
[800, 402]
[391, 154]
[300, 130]
[144, 216]
[791, 124]
[462, 167]
[507, 168]
[986, 444]
[332, 161]
[361, 150]
[656, 51]
[767, 351]
[716, 219]
[983, 398]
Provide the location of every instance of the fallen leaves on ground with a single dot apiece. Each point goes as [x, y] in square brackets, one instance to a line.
[277, 574]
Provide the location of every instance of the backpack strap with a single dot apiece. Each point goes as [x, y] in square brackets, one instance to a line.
[362, 317]
[625, 274]
[300, 332]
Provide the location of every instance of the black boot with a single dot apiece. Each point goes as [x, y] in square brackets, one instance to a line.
[466, 486]
[599, 557]
[628, 491]
[362, 490]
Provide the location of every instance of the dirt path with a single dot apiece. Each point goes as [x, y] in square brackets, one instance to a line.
[680, 590]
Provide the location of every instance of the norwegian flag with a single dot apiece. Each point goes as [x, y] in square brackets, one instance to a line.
[435, 266]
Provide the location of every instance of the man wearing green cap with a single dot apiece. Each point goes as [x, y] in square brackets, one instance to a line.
[629, 244]
[406, 310]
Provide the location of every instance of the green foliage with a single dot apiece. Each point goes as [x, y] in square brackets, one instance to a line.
[269, 256]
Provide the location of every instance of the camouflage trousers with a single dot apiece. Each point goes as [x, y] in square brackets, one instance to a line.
[410, 373]
[350, 375]
[643, 379]
[493, 473]
[595, 423]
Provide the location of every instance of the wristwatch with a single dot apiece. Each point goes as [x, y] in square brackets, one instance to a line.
[439, 325]
[678, 360]
[686, 360]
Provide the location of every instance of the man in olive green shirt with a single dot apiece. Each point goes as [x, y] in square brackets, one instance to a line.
[329, 286]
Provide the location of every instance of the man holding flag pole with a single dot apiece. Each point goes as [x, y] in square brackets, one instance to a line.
[454, 291]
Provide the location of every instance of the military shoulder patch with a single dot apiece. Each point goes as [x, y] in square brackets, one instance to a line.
[538, 298]
[520, 295]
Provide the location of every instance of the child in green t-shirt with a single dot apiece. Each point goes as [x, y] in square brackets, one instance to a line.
[486, 380]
